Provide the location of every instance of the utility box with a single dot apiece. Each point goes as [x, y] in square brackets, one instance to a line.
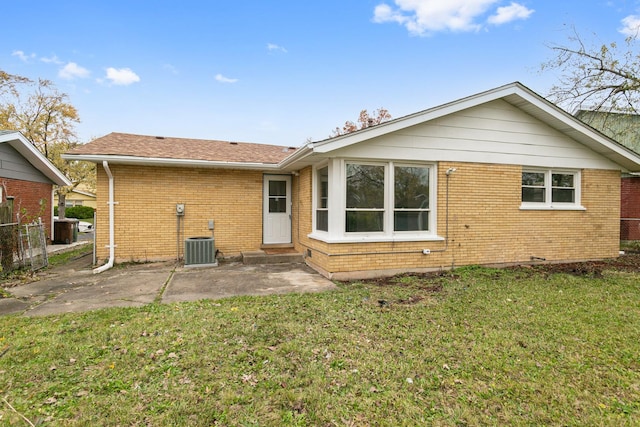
[200, 252]
[65, 231]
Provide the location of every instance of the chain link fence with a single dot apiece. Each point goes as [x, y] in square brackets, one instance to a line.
[8, 246]
[21, 245]
[33, 244]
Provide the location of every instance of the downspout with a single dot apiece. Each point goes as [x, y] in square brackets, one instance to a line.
[52, 232]
[111, 203]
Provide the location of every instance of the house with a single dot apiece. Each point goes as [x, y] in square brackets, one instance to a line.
[624, 128]
[79, 196]
[28, 177]
[499, 177]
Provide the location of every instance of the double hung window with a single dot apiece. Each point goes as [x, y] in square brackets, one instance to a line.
[322, 205]
[365, 198]
[550, 189]
[411, 198]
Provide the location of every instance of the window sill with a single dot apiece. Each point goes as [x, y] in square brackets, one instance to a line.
[544, 207]
[374, 239]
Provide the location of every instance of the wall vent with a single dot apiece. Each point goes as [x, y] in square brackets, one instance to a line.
[200, 252]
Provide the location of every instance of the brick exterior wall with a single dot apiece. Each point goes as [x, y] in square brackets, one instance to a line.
[145, 213]
[487, 226]
[302, 203]
[31, 200]
[630, 209]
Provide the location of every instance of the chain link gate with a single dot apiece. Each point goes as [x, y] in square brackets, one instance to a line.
[33, 245]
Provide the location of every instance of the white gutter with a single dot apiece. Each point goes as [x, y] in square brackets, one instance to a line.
[156, 161]
[111, 203]
[23, 146]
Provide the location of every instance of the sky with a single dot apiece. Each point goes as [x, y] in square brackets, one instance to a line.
[286, 72]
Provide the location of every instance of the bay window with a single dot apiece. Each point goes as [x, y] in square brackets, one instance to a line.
[374, 201]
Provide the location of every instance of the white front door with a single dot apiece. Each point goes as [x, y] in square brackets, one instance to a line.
[276, 225]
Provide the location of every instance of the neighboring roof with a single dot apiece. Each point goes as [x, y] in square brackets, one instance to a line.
[23, 146]
[144, 149]
[84, 193]
[622, 127]
[515, 94]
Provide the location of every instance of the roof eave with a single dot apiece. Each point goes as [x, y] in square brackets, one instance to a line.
[159, 161]
[564, 122]
[297, 159]
[23, 146]
[607, 147]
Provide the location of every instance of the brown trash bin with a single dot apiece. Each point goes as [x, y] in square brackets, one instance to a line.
[65, 231]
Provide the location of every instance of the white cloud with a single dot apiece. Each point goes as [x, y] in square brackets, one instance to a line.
[425, 17]
[223, 79]
[122, 76]
[51, 60]
[72, 71]
[23, 56]
[509, 13]
[631, 26]
[272, 47]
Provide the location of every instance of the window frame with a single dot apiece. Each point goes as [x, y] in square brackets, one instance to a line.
[318, 196]
[337, 204]
[549, 204]
[428, 210]
[383, 210]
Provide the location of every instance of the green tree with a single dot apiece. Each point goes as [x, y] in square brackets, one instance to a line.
[44, 116]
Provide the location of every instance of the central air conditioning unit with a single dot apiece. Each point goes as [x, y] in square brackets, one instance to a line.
[200, 252]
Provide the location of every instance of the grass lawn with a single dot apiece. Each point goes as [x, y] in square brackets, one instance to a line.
[474, 347]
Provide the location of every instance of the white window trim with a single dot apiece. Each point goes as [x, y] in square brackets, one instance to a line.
[337, 205]
[315, 198]
[548, 204]
[385, 209]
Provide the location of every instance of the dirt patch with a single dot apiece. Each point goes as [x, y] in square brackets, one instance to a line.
[432, 283]
[414, 299]
[423, 281]
[627, 262]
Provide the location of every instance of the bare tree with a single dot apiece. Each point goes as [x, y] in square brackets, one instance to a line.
[9, 83]
[364, 121]
[602, 78]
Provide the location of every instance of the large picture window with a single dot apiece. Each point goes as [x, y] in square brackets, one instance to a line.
[550, 189]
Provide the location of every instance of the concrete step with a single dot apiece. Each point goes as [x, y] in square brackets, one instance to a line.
[261, 257]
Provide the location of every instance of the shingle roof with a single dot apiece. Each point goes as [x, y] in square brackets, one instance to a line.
[144, 146]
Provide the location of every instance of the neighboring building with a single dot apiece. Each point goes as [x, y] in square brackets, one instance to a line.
[28, 177]
[500, 177]
[78, 197]
[624, 128]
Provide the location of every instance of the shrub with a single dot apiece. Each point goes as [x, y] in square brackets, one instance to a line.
[80, 212]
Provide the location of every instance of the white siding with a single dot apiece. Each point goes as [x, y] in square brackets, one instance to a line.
[495, 132]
